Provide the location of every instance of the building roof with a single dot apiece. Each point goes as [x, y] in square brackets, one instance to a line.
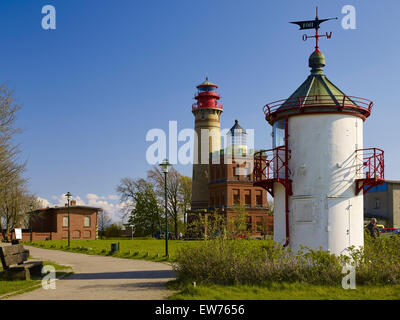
[207, 83]
[393, 181]
[71, 207]
[237, 129]
[317, 84]
[317, 94]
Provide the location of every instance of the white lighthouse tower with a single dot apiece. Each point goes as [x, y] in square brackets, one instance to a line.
[318, 169]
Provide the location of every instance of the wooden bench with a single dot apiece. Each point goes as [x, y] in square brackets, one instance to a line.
[13, 260]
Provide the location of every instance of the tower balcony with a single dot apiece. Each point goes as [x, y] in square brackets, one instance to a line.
[207, 105]
[318, 104]
[271, 166]
[208, 94]
[372, 170]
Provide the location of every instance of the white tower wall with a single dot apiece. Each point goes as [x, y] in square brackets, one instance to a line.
[324, 211]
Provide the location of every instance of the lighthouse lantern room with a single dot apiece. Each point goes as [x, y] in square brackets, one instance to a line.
[318, 168]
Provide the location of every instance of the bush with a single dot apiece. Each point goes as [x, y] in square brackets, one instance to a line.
[230, 262]
[113, 231]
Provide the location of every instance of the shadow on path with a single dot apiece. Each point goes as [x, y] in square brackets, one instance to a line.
[150, 274]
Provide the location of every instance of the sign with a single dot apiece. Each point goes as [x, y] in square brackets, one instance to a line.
[310, 24]
[18, 233]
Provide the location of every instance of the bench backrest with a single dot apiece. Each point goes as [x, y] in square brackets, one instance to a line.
[15, 254]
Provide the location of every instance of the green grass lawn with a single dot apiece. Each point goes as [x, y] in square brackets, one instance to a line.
[282, 291]
[134, 249]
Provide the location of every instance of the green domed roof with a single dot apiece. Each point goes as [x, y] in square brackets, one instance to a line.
[317, 84]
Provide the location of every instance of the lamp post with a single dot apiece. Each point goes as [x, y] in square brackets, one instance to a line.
[132, 230]
[30, 221]
[68, 195]
[165, 165]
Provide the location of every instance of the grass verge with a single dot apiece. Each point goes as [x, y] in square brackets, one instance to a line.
[153, 250]
[281, 291]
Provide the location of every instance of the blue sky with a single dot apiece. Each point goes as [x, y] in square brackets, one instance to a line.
[112, 70]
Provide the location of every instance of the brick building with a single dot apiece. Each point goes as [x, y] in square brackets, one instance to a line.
[52, 223]
[231, 184]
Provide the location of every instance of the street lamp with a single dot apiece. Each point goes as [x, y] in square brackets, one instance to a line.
[30, 221]
[68, 195]
[165, 165]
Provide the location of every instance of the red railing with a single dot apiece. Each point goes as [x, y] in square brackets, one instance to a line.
[372, 171]
[373, 164]
[269, 164]
[199, 105]
[213, 94]
[339, 101]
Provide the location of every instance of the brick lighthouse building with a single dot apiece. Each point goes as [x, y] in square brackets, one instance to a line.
[222, 179]
[207, 113]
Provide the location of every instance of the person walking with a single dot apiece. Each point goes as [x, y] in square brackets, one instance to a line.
[373, 228]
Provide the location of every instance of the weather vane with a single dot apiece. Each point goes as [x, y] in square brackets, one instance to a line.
[314, 24]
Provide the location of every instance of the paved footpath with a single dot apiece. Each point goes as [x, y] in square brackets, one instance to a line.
[105, 278]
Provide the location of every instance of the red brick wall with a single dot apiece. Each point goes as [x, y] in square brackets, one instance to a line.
[77, 229]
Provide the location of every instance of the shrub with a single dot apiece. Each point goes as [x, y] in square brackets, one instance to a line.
[229, 262]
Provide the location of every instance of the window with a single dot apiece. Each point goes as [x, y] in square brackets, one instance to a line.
[65, 222]
[247, 197]
[249, 225]
[86, 222]
[377, 203]
[236, 196]
[259, 198]
[278, 133]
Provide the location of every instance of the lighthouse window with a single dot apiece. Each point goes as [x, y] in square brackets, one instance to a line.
[279, 133]
[206, 89]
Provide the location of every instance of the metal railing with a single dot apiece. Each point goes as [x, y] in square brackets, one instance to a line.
[313, 101]
[269, 164]
[373, 164]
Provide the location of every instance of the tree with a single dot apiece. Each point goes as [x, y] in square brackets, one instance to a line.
[113, 230]
[185, 189]
[10, 169]
[14, 198]
[174, 197]
[145, 217]
[239, 224]
[127, 190]
[103, 221]
[15, 203]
